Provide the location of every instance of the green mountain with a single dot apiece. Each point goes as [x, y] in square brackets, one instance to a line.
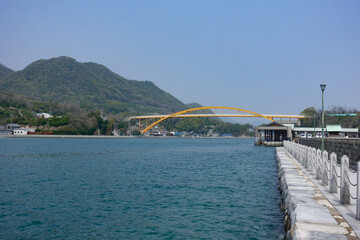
[93, 86]
[4, 71]
[193, 105]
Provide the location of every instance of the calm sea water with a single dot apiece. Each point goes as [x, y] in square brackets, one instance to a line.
[138, 189]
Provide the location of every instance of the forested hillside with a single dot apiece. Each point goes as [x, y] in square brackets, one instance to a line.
[63, 80]
[4, 71]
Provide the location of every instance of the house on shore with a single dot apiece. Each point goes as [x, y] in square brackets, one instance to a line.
[43, 115]
[12, 126]
[4, 131]
[14, 129]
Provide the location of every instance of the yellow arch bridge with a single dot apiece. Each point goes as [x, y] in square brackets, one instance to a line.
[153, 120]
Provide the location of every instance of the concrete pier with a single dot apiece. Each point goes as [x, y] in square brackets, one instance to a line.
[308, 213]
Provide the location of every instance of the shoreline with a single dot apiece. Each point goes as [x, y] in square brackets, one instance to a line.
[107, 137]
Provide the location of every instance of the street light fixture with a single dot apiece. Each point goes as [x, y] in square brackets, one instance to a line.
[322, 86]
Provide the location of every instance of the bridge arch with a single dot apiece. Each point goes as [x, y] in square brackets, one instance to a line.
[203, 108]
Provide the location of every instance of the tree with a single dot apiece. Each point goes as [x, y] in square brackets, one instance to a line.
[121, 126]
[310, 112]
[136, 132]
[346, 121]
[190, 124]
[58, 121]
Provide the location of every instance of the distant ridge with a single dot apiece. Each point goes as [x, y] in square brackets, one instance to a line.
[4, 71]
[91, 85]
[193, 105]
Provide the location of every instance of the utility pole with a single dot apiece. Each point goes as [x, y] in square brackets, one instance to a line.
[314, 126]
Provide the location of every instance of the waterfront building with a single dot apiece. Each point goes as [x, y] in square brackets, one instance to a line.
[329, 131]
[272, 134]
[275, 133]
[4, 131]
[12, 126]
[20, 131]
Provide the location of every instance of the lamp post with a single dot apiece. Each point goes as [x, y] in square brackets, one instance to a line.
[322, 86]
[314, 134]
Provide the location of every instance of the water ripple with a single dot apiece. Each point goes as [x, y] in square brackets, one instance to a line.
[138, 189]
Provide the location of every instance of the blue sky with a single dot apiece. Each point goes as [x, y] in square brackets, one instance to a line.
[263, 56]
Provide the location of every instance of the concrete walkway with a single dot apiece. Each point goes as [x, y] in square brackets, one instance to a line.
[308, 212]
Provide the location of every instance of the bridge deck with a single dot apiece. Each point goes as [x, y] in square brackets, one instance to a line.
[219, 115]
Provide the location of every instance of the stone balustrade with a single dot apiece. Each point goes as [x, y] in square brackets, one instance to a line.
[336, 177]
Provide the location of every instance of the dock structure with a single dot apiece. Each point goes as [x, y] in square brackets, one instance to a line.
[320, 197]
[272, 134]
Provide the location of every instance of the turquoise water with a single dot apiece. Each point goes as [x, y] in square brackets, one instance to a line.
[138, 189]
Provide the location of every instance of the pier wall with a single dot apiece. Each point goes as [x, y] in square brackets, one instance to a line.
[308, 214]
[340, 146]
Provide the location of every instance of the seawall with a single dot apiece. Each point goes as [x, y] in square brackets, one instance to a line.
[341, 146]
[308, 213]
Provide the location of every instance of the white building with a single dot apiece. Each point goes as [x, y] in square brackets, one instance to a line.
[45, 115]
[20, 131]
[329, 131]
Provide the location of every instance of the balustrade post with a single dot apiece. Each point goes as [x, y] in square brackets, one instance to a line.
[325, 172]
[313, 161]
[318, 164]
[358, 192]
[344, 185]
[333, 177]
[307, 157]
[287, 146]
[298, 152]
[294, 150]
[303, 155]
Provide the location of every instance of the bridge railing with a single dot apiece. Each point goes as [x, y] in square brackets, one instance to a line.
[335, 177]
